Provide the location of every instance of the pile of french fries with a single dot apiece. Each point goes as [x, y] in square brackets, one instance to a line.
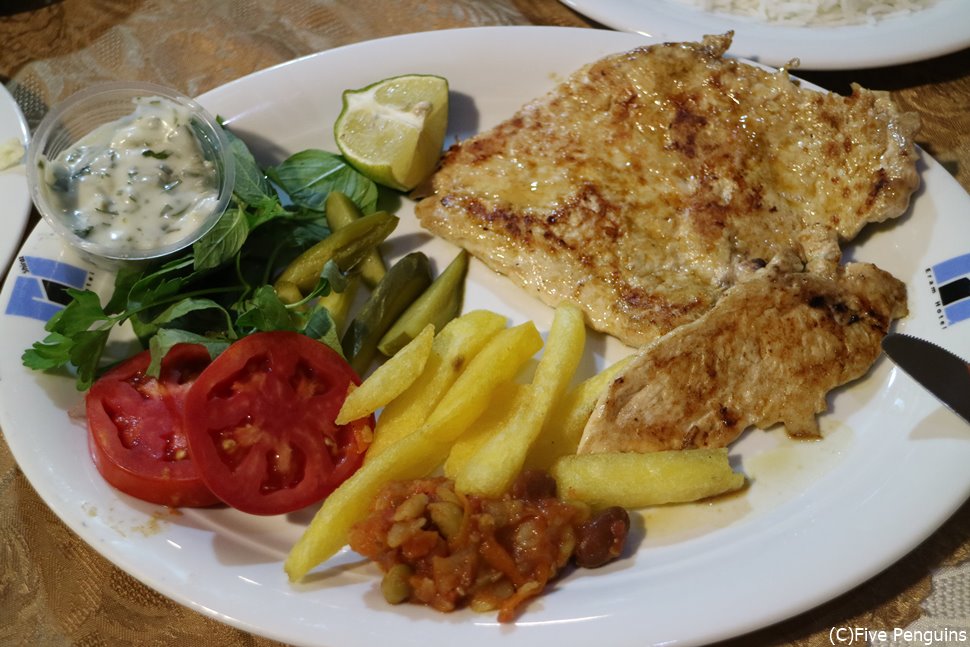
[450, 400]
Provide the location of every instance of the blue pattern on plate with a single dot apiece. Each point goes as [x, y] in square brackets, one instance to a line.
[41, 289]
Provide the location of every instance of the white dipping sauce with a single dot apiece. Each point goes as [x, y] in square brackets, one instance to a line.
[138, 183]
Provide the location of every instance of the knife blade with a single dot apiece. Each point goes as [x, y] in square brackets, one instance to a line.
[942, 373]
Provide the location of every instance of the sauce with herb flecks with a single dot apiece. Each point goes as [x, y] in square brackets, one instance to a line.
[137, 183]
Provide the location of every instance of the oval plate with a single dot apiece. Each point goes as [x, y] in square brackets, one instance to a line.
[699, 572]
[940, 29]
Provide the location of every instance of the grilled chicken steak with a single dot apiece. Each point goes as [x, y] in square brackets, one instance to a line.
[647, 182]
[768, 352]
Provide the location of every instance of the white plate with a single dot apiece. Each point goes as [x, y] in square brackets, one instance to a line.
[818, 518]
[941, 29]
[14, 195]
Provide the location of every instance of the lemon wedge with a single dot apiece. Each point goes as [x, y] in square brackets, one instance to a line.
[392, 131]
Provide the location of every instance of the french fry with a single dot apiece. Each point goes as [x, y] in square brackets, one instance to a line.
[453, 347]
[418, 453]
[505, 403]
[389, 380]
[633, 480]
[564, 427]
[471, 392]
[411, 457]
[493, 469]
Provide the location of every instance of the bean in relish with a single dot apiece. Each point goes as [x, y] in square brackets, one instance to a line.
[446, 550]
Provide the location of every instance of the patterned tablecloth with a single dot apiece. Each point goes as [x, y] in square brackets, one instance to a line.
[56, 590]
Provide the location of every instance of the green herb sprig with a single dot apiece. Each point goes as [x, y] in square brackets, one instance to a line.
[220, 289]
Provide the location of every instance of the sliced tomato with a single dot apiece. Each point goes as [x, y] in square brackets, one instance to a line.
[135, 428]
[260, 423]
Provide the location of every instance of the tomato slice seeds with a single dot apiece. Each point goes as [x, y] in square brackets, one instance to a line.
[136, 435]
[260, 423]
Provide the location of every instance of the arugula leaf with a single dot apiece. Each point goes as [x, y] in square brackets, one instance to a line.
[163, 341]
[310, 175]
[321, 326]
[336, 279]
[181, 309]
[264, 312]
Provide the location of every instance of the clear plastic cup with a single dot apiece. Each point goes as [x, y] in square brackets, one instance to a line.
[79, 115]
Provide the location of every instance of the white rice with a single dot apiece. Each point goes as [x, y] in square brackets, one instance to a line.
[829, 13]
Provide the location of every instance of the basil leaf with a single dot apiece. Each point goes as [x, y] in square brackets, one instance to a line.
[309, 176]
[267, 209]
[308, 232]
[270, 249]
[251, 184]
[222, 242]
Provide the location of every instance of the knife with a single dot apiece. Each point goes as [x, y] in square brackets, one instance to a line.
[942, 373]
